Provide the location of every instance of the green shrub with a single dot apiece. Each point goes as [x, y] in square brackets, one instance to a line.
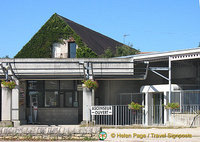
[172, 106]
[91, 84]
[9, 84]
[135, 106]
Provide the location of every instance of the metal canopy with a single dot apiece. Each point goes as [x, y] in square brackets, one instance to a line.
[75, 70]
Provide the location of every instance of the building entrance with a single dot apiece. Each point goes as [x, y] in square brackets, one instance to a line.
[158, 108]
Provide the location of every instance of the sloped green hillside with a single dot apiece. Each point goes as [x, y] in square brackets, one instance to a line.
[52, 31]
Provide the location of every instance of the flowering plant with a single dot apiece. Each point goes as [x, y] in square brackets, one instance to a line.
[135, 106]
[9, 84]
[172, 106]
[91, 84]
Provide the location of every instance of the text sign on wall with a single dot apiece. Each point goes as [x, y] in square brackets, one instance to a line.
[101, 110]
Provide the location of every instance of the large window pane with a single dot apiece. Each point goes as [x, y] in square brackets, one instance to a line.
[38, 95]
[67, 84]
[175, 97]
[75, 101]
[68, 99]
[53, 93]
[51, 84]
[51, 98]
[35, 85]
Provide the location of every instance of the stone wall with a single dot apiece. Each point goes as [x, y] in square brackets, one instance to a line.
[49, 133]
[185, 120]
[56, 116]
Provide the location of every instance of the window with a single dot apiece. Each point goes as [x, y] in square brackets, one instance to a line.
[72, 50]
[35, 85]
[53, 93]
[39, 96]
[68, 99]
[191, 97]
[51, 84]
[175, 97]
[51, 99]
[35, 88]
[67, 85]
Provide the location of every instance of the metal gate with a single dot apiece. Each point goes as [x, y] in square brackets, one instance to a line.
[121, 115]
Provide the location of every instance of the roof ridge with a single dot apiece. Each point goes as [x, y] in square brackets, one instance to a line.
[95, 40]
[87, 28]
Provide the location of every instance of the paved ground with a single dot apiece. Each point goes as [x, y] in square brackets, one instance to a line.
[145, 135]
[66, 126]
[151, 135]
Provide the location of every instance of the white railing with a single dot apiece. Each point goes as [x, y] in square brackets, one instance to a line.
[121, 115]
[186, 115]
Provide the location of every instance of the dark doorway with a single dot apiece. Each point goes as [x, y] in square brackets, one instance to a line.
[158, 109]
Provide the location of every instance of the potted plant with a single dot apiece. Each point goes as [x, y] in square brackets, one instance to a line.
[8, 84]
[172, 106]
[91, 84]
[135, 106]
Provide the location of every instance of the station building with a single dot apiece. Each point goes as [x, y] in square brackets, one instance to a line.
[55, 86]
[50, 90]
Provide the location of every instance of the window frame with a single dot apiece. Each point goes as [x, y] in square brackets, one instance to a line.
[43, 90]
[39, 90]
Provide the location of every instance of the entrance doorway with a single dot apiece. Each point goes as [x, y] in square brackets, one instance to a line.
[158, 108]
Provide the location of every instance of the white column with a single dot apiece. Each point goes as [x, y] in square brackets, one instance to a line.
[92, 103]
[165, 110]
[143, 112]
[15, 104]
[146, 108]
[170, 84]
[92, 99]
[6, 104]
[87, 102]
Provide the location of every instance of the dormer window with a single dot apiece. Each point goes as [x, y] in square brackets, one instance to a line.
[66, 49]
[71, 50]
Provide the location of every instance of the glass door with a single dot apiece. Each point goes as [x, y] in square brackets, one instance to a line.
[158, 108]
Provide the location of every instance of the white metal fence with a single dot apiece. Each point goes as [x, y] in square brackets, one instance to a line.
[121, 115]
[186, 115]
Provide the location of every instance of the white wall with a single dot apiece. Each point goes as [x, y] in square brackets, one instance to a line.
[60, 50]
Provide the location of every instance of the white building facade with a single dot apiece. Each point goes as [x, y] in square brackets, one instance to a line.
[49, 91]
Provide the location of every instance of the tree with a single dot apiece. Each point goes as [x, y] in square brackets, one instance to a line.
[125, 50]
[5, 57]
[85, 52]
[107, 54]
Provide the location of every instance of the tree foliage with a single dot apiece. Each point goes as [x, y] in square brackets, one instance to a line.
[85, 52]
[125, 50]
[54, 30]
[5, 57]
[120, 51]
[107, 54]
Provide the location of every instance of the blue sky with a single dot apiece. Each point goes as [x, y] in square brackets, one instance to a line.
[152, 25]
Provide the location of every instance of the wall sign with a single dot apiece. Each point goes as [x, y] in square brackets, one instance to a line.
[101, 110]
